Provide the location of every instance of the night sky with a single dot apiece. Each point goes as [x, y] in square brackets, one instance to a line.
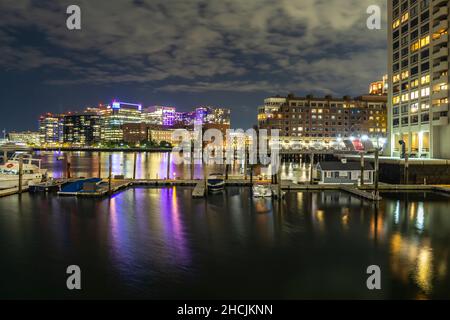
[185, 53]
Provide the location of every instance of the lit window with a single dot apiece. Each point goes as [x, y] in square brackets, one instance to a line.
[405, 17]
[425, 92]
[425, 79]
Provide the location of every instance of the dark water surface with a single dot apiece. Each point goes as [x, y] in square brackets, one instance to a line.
[161, 243]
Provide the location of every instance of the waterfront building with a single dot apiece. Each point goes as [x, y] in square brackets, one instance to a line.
[30, 138]
[51, 129]
[418, 77]
[113, 117]
[380, 87]
[335, 172]
[325, 120]
[135, 133]
[81, 128]
[159, 115]
[160, 134]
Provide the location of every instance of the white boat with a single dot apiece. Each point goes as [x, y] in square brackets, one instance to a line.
[216, 182]
[262, 190]
[31, 171]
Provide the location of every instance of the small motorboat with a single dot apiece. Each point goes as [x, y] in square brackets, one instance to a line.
[47, 186]
[60, 158]
[216, 183]
[31, 171]
[262, 190]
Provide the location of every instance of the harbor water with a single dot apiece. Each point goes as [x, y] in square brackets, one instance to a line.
[157, 243]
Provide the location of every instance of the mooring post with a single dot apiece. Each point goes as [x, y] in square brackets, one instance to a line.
[377, 172]
[279, 179]
[192, 161]
[99, 165]
[5, 156]
[168, 166]
[20, 173]
[362, 169]
[67, 166]
[134, 165]
[406, 169]
[245, 162]
[110, 175]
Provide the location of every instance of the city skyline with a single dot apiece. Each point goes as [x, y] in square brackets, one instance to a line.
[286, 47]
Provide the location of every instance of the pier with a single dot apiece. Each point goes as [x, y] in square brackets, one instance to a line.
[107, 187]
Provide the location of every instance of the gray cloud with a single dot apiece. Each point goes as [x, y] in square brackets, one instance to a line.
[197, 46]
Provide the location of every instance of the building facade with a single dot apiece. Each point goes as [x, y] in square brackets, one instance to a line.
[135, 133]
[30, 138]
[113, 117]
[81, 128]
[418, 78]
[51, 129]
[325, 120]
[380, 87]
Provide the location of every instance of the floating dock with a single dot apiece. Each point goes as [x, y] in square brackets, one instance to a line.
[12, 191]
[361, 193]
[199, 190]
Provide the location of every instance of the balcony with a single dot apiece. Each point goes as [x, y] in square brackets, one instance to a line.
[443, 107]
[442, 12]
[437, 3]
[438, 95]
[441, 27]
[442, 52]
[440, 80]
[442, 39]
[442, 121]
[441, 67]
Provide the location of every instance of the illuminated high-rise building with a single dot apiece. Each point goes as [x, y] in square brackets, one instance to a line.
[51, 129]
[113, 117]
[418, 78]
[81, 128]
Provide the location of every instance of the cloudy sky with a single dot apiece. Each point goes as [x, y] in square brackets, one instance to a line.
[230, 53]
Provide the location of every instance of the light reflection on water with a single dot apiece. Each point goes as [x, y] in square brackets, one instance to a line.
[161, 243]
[148, 166]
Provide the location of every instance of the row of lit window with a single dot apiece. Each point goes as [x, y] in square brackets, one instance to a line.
[403, 19]
[425, 92]
[420, 43]
[414, 83]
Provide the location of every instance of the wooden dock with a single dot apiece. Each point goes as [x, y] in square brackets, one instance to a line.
[12, 191]
[361, 193]
[199, 190]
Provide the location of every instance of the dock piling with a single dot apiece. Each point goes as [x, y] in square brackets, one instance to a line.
[134, 165]
[168, 166]
[110, 175]
[20, 174]
[99, 165]
[362, 169]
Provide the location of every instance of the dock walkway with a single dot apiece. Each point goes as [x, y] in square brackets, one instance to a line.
[199, 190]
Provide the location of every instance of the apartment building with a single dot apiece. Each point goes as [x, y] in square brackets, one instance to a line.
[325, 119]
[418, 78]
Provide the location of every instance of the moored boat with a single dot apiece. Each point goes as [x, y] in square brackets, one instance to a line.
[31, 171]
[216, 182]
[262, 190]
